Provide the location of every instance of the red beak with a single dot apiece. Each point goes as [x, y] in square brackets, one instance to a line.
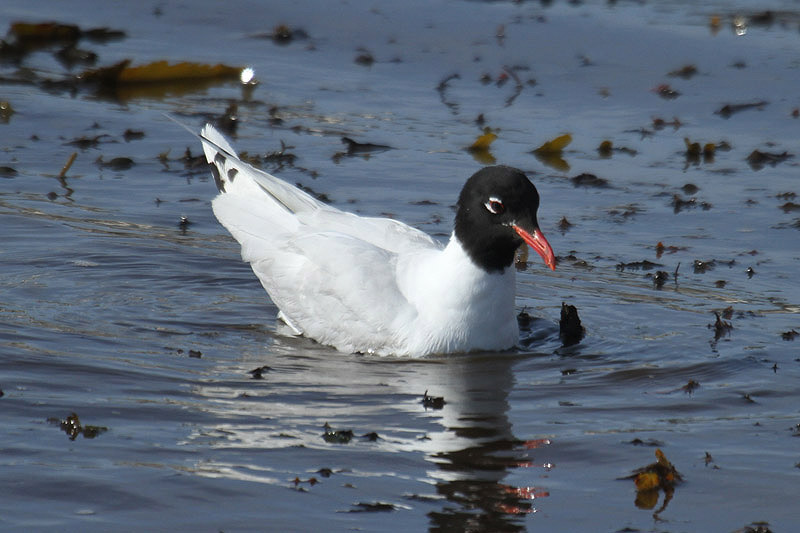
[539, 244]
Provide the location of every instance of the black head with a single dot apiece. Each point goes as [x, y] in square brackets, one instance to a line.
[496, 214]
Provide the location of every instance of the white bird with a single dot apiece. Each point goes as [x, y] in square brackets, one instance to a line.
[376, 285]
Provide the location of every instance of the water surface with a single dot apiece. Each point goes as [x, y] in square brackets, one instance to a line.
[151, 329]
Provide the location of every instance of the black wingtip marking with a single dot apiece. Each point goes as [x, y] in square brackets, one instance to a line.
[217, 177]
[232, 174]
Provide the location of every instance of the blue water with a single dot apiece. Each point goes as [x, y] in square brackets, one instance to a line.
[113, 310]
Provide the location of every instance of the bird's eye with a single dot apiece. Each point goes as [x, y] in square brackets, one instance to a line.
[494, 206]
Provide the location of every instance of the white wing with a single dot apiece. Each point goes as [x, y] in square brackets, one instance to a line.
[331, 273]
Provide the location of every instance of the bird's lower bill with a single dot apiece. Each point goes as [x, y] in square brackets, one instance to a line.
[539, 243]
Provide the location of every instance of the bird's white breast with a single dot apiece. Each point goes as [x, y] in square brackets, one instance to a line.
[460, 307]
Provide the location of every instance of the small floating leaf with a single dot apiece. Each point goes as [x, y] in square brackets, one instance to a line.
[685, 72]
[647, 481]
[550, 152]
[483, 141]
[605, 148]
[480, 148]
[692, 148]
[554, 146]
[160, 71]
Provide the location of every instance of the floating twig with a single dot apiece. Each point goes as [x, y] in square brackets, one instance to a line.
[67, 165]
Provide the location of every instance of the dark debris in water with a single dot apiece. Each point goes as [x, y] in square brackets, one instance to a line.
[661, 249]
[589, 180]
[686, 72]
[659, 476]
[442, 89]
[296, 482]
[788, 207]
[325, 472]
[337, 436]
[281, 158]
[284, 34]
[755, 527]
[638, 265]
[70, 56]
[607, 148]
[659, 278]
[758, 159]
[570, 329]
[690, 386]
[679, 204]
[228, 122]
[355, 147]
[789, 335]
[364, 57]
[575, 260]
[8, 172]
[720, 326]
[701, 267]
[524, 321]
[132, 135]
[85, 142]
[27, 37]
[625, 212]
[183, 224]
[728, 110]
[372, 507]
[192, 162]
[258, 373]
[660, 123]
[117, 164]
[72, 427]
[194, 354]
[707, 460]
[432, 402]
[650, 442]
[666, 92]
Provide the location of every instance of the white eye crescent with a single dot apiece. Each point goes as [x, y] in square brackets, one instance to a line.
[494, 205]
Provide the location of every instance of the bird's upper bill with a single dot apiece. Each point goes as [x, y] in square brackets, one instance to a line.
[538, 242]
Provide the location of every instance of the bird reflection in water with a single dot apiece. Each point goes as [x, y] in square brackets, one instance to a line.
[478, 450]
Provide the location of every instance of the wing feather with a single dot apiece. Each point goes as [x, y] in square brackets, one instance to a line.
[332, 274]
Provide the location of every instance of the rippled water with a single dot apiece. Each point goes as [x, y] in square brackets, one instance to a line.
[152, 331]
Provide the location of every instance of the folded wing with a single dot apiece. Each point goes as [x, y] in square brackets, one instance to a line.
[332, 274]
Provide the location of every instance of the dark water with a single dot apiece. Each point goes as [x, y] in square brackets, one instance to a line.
[148, 328]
